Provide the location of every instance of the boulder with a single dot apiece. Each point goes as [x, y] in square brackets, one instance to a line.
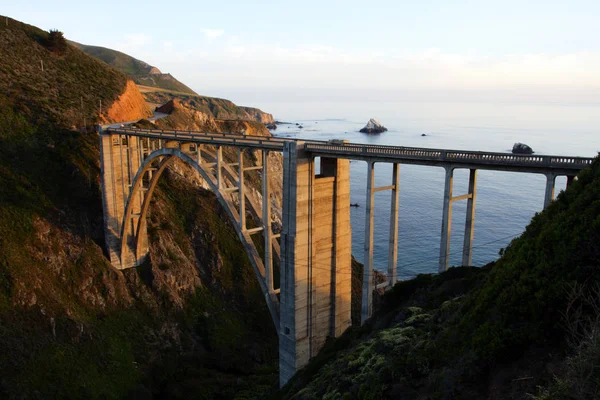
[373, 126]
[271, 127]
[521, 148]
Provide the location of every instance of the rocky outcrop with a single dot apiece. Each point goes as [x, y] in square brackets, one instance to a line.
[521, 148]
[183, 115]
[129, 106]
[259, 115]
[373, 126]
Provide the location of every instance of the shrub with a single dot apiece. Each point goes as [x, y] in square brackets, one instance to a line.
[56, 42]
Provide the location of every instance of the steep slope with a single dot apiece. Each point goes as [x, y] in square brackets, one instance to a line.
[525, 325]
[191, 322]
[141, 72]
[215, 107]
[199, 116]
[62, 86]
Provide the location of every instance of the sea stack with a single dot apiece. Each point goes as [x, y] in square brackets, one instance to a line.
[373, 126]
[521, 148]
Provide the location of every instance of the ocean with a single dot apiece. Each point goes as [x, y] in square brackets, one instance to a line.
[506, 201]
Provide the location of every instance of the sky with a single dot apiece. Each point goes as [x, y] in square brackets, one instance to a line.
[335, 50]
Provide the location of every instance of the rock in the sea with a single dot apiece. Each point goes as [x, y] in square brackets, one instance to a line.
[271, 127]
[422, 134]
[300, 127]
[373, 126]
[521, 148]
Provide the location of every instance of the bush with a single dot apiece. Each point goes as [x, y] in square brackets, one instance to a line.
[56, 42]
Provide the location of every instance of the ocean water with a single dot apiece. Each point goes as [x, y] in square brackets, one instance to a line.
[506, 201]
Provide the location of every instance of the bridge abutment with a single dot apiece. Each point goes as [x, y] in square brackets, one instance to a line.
[316, 268]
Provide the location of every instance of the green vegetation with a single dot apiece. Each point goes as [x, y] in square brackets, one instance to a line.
[525, 325]
[142, 73]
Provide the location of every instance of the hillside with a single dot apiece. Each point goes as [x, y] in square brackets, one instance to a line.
[217, 108]
[524, 327]
[141, 72]
[62, 86]
[191, 322]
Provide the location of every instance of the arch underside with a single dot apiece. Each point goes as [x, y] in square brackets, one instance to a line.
[134, 241]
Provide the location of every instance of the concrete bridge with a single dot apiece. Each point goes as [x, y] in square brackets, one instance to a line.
[312, 301]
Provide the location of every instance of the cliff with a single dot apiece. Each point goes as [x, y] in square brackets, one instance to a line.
[198, 116]
[190, 322]
[217, 108]
[259, 115]
[129, 106]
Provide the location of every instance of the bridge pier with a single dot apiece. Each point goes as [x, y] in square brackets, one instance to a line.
[467, 257]
[316, 266]
[549, 195]
[368, 270]
[367, 288]
[447, 219]
[120, 157]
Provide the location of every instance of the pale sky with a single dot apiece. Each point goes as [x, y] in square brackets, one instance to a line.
[314, 49]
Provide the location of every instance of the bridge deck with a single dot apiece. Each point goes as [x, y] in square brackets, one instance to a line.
[381, 153]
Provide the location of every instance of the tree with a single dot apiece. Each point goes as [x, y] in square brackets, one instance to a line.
[56, 41]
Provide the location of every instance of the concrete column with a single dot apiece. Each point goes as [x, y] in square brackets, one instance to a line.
[241, 193]
[315, 257]
[470, 219]
[446, 221]
[112, 195]
[199, 153]
[549, 196]
[393, 243]
[266, 214]
[570, 179]
[218, 167]
[128, 252]
[367, 289]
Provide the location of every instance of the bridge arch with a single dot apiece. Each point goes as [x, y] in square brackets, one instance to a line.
[133, 234]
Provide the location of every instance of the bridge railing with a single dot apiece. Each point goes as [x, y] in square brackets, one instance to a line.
[365, 150]
[443, 155]
[206, 138]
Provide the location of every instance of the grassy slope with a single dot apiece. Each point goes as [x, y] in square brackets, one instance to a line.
[69, 88]
[71, 326]
[496, 332]
[136, 69]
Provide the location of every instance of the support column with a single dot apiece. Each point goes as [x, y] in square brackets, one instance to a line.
[549, 196]
[367, 289]
[218, 166]
[570, 179]
[315, 257]
[242, 199]
[112, 195]
[393, 243]
[446, 221]
[199, 153]
[467, 257]
[266, 216]
[133, 159]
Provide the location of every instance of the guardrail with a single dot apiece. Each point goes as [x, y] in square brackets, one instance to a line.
[442, 155]
[365, 150]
